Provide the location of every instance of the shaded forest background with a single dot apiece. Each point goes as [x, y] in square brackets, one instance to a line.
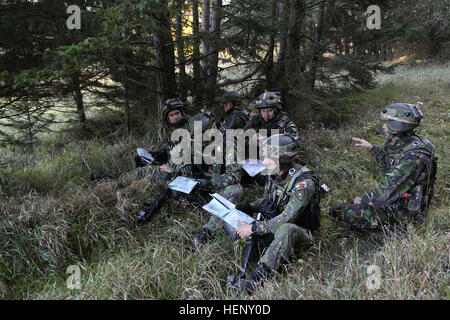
[129, 56]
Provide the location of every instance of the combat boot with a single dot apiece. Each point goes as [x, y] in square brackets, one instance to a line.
[200, 239]
[260, 273]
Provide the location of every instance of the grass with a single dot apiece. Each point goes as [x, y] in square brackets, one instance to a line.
[53, 216]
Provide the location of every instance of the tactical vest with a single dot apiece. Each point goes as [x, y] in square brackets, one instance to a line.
[280, 195]
[418, 198]
[235, 116]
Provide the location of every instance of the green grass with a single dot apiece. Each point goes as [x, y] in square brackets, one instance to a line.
[53, 216]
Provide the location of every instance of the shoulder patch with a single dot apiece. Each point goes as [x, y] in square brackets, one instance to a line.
[292, 171]
[230, 155]
[298, 186]
[416, 143]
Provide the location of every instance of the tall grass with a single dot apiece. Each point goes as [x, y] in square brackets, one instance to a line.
[53, 216]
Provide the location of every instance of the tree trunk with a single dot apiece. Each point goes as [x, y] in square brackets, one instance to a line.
[317, 48]
[165, 64]
[78, 97]
[197, 94]
[291, 13]
[211, 20]
[269, 68]
[180, 51]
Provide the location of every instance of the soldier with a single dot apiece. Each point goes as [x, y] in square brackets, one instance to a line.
[175, 117]
[271, 116]
[252, 110]
[235, 117]
[409, 169]
[290, 210]
[208, 176]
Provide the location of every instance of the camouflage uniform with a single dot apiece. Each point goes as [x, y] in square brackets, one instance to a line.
[409, 170]
[235, 117]
[164, 154]
[404, 191]
[228, 185]
[292, 193]
[280, 121]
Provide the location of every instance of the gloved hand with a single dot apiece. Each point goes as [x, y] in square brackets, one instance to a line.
[204, 185]
[268, 209]
[139, 162]
[245, 207]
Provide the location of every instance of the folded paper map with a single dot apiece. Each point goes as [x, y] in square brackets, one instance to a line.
[253, 166]
[145, 155]
[226, 210]
[183, 184]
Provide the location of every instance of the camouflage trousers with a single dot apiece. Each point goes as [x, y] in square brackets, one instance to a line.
[357, 216]
[366, 218]
[232, 193]
[152, 174]
[287, 240]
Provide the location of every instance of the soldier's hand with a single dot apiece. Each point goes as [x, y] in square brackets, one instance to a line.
[244, 230]
[165, 168]
[362, 143]
[357, 200]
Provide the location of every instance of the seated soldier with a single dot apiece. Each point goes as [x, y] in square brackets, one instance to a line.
[270, 116]
[208, 176]
[251, 109]
[235, 117]
[174, 114]
[409, 168]
[287, 210]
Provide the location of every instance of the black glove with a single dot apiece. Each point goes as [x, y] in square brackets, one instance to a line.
[204, 185]
[268, 209]
[138, 161]
[245, 207]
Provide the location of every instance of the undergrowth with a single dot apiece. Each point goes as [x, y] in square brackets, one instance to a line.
[53, 216]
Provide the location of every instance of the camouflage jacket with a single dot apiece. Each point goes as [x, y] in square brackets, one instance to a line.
[213, 180]
[409, 167]
[236, 119]
[162, 155]
[281, 122]
[172, 149]
[292, 193]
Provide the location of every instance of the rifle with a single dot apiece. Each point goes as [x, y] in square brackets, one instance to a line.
[249, 251]
[144, 215]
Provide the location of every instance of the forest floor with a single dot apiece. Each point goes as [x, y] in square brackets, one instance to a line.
[52, 216]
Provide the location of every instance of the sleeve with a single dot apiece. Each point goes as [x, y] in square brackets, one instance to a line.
[237, 121]
[396, 181]
[301, 194]
[380, 155]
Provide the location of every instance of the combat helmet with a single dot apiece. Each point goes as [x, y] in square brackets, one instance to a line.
[205, 117]
[283, 146]
[231, 96]
[252, 106]
[172, 104]
[401, 117]
[269, 100]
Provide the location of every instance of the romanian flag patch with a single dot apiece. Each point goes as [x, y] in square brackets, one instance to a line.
[230, 155]
[298, 186]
